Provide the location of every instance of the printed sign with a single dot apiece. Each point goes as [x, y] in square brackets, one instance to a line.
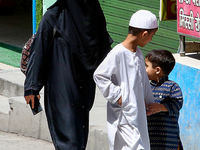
[188, 18]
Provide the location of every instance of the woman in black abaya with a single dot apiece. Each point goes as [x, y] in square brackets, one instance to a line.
[66, 69]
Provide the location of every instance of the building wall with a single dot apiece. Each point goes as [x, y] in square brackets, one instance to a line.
[119, 12]
[23, 4]
[188, 79]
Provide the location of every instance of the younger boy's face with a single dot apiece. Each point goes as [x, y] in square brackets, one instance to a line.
[151, 72]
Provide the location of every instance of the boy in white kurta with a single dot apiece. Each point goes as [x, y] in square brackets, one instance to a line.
[123, 81]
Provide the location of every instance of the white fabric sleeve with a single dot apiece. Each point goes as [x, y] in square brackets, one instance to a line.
[148, 94]
[103, 75]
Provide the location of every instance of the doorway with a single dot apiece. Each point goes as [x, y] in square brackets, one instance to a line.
[15, 22]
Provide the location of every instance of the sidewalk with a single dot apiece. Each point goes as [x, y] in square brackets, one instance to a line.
[11, 141]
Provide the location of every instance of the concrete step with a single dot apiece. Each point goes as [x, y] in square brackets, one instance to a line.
[23, 122]
[4, 67]
[4, 105]
[4, 113]
[12, 82]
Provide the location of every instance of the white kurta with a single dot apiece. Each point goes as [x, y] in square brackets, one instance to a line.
[122, 73]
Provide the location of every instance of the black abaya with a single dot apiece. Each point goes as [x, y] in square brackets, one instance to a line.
[66, 70]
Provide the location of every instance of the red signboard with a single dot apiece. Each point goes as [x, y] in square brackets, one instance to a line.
[171, 9]
[188, 18]
[167, 10]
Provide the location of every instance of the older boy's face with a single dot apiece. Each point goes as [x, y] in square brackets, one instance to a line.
[148, 37]
[151, 72]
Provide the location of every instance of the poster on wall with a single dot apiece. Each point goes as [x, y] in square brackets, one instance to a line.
[167, 10]
[188, 18]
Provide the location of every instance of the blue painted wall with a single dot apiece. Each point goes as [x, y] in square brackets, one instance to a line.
[188, 79]
[34, 15]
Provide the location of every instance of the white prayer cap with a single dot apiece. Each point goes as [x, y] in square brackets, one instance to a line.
[143, 19]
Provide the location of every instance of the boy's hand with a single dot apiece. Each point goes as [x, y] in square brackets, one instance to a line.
[155, 107]
[148, 112]
[119, 101]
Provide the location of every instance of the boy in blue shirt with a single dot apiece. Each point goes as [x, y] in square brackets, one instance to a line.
[163, 123]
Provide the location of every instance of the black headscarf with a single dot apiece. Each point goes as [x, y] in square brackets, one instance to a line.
[82, 24]
[78, 21]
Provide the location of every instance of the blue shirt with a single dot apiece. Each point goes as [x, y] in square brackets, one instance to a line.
[163, 126]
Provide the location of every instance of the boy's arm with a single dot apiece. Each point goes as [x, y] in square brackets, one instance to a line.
[156, 108]
[176, 103]
[102, 76]
[173, 106]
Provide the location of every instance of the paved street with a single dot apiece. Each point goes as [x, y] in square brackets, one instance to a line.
[9, 141]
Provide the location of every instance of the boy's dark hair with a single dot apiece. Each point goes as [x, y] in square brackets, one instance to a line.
[163, 59]
[135, 31]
